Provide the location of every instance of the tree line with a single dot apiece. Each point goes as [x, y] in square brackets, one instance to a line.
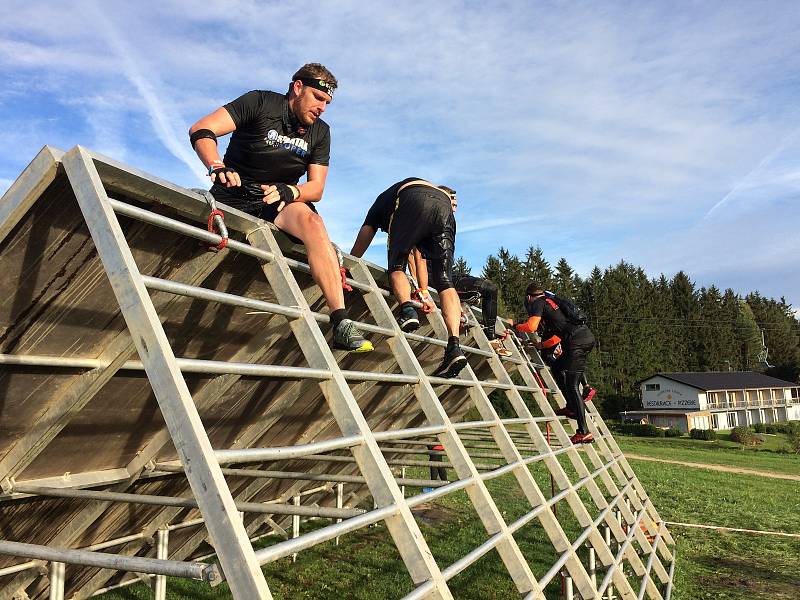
[646, 325]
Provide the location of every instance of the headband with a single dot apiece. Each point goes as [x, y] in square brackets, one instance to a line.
[320, 84]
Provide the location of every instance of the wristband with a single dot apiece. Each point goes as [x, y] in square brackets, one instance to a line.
[214, 164]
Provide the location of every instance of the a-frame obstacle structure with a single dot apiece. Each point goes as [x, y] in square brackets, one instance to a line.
[160, 402]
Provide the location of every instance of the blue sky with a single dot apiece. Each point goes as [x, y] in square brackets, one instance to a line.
[663, 133]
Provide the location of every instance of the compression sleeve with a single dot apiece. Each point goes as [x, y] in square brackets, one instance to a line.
[531, 325]
[245, 108]
[551, 341]
[321, 150]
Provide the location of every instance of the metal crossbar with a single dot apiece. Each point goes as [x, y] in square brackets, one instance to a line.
[616, 519]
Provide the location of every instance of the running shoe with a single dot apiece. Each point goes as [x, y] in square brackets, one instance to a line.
[582, 438]
[408, 319]
[565, 412]
[452, 363]
[346, 336]
[497, 346]
[588, 393]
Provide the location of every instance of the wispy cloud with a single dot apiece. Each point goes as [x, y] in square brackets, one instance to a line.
[167, 123]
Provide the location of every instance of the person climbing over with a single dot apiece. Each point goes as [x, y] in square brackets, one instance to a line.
[417, 214]
[469, 290]
[276, 139]
[576, 340]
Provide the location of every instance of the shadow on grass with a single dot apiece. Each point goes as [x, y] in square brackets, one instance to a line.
[749, 577]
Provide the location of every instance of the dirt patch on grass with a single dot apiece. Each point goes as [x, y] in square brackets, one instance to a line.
[433, 515]
[750, 579]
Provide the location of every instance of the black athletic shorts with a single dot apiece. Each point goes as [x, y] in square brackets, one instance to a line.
[249, 198]
[422, 219]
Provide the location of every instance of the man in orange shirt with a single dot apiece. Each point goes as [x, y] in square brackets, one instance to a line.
[576, 340]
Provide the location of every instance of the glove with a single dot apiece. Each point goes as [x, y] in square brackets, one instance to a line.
[423, 296]
[227, 172]
[288, 193]
[283, 194]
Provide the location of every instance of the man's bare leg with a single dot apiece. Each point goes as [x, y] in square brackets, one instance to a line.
[400, 286]
[300, 221]
[451, 310]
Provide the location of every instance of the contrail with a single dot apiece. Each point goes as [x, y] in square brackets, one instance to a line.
[166, 123]
[752, 174]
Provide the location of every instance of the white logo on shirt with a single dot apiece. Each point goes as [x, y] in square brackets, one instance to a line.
[297, 145]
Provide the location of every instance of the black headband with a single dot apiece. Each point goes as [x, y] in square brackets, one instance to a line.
[320, 84]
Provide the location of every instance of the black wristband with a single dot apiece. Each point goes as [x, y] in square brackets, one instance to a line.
[202, 134]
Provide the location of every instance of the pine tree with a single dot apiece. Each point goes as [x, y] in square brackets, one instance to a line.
[748, 337]
[564, 280]
[684, 303]
[512, 288]
[461, 267]
[537, 269]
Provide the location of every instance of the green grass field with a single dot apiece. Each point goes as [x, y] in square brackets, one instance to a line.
[732, 566]
[764, 457]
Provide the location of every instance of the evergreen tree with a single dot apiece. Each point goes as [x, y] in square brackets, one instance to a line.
[493, 271]
[564, 280]
[537, 269]
[684, 304]
[461, 267]
[748, 338]
[512, 288]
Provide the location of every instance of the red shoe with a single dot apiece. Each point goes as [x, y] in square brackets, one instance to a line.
[582, 438]
[565, 412]
[588, 394]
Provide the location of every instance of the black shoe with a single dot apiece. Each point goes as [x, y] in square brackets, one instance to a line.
[408, 319]
[346, 336]
[454, 360]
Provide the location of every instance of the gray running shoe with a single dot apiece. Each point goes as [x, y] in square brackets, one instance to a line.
[454, 360]
[408, 319]
[346, 336]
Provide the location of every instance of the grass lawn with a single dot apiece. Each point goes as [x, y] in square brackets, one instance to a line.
[710, 565]
[764, 457]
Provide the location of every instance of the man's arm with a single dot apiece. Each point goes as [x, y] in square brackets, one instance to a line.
[221, 123]
[312, 189]
[421, 268]
[363, 240]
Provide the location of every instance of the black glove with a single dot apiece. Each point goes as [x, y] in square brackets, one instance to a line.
[288, 192]
[227, 171]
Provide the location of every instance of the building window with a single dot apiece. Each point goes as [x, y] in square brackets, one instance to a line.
[652, 387]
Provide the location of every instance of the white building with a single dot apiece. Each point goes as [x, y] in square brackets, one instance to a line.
[716, 400]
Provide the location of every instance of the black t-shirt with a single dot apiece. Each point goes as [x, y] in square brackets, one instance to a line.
[263, 147]
[380, 213]
[553, 320]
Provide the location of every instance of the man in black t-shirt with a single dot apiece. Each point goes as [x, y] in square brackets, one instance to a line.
[278, 138]
[576, 341]
[417, 214]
